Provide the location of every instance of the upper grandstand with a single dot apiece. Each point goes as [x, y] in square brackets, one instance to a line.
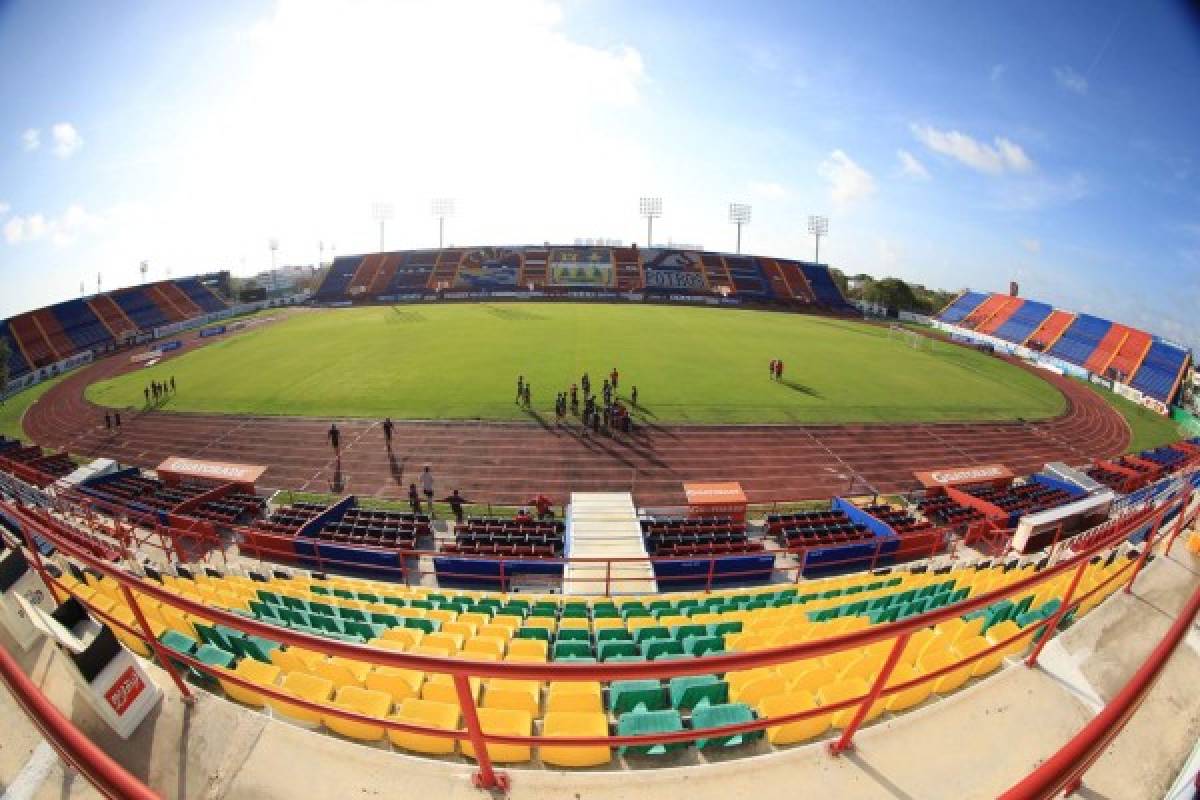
[100, 323]
[573, 269]
[1149, 364]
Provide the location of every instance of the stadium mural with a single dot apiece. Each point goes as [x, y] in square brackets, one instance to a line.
[489, 268]
[673, 270]
[582, 266]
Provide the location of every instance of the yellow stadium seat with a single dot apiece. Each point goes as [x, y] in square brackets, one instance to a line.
[303, 686]
[521, 695]
[753, 690]
[528, 647]
[387, 644]
[481, 648]
[739, 678]
[250, 670]
[506, 722]
[574, 623]
[813, 679]
[938, 659]
[496, 631]
[295, 659]
[451, 641]
[473, 618]
[1004, 631]
[916, 645]
[510, 621]
[362, 701]
[124, 615]
[438, 651]
[442, 615]
[343, 671]
[906, 698]
[439, 687]
[575, 723]
[840, 691]
[409, 637]
[400, 683]
[973, 645]
[573, 696]
[427, 714]
[464, 629]
[793, 702]
[865, 666]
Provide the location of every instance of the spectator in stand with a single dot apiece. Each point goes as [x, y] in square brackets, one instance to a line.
[456, 501]
[107, 421]
[335, 438]
[387, 431]
[520, 389]
[414, 499]
[523, 516]
[427, 487]
[544, 509]
[613, 376]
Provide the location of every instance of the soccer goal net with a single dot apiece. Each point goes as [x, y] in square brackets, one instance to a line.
[910, 338]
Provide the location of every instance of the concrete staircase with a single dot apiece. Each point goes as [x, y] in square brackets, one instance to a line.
[605, 525]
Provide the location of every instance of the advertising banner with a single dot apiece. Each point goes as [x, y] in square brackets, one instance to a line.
[581, 266]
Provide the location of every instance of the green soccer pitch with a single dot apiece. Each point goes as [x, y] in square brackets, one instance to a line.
[701, 365]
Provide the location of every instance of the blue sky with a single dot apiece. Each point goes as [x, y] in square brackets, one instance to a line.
[956, 144]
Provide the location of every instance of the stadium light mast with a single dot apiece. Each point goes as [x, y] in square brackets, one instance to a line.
[818, 227]
[273, 245]
[144, 268]
[739, 215]
[651, 209]
[382, 212]
[442, 207]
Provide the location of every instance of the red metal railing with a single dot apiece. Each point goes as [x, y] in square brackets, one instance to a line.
[1104, 537]
[1063, 772]
[72, 745]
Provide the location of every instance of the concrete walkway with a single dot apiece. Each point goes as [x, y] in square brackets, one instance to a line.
[972, 745]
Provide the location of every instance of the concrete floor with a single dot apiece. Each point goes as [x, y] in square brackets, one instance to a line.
[973, 744]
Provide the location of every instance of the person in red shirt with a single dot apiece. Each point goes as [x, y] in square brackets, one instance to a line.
[779, 370]
[544, 509]
[523, 516]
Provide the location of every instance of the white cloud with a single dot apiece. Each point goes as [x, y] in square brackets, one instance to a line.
[67, 140]
[1032, 245]
[1003, 155]
[768, 190]
[998, 71]
[848, 182]
[910, 167]
[31, 139]
[62, 230]
[4, 208]
[1071, 80]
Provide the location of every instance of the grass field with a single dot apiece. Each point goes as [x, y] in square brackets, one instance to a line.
[14, 407]
[689, 364]
[1147, 428]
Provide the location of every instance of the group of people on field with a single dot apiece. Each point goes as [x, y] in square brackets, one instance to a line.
[775, 369]
[157, 391]
[599, 412]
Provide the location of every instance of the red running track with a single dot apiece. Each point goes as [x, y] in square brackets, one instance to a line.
[508, 462]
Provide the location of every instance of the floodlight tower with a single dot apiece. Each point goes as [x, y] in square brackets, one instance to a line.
[144, 268]
[818, 227]
[382, 212]
[651, 209]
[442, 207]
[739, 215]
[273, 245]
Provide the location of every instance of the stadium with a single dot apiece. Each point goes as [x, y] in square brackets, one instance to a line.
[529, 521]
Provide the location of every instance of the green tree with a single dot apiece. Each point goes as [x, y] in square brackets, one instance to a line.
[892, 293]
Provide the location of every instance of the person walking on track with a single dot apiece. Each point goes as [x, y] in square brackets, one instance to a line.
[335, 439]
[387, 432]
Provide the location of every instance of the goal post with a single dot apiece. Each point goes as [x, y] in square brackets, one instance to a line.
[910, 338]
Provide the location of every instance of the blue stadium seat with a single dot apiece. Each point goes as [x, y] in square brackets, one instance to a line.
[200, 295]
[1079, 341]
[961, 307]
[1160, 370]
[81, 324]
[17, 366]
[341, 272]
[1021, 325]
[748, 278]
[140, 308]
[822, 284]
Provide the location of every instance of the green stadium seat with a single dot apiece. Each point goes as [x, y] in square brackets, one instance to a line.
[715, 716]
[689, 691]
[625, 695]
[640, 722]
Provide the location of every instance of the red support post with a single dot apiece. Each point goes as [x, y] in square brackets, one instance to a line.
[608, 578]
[844, 743]
[486, 777]
[1054, 622]
[1182, 523]
[503, 587]
[160, 652]
[1147, 546]
[712, 565]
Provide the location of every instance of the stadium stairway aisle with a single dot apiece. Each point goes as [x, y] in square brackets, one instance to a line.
[605, 525]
